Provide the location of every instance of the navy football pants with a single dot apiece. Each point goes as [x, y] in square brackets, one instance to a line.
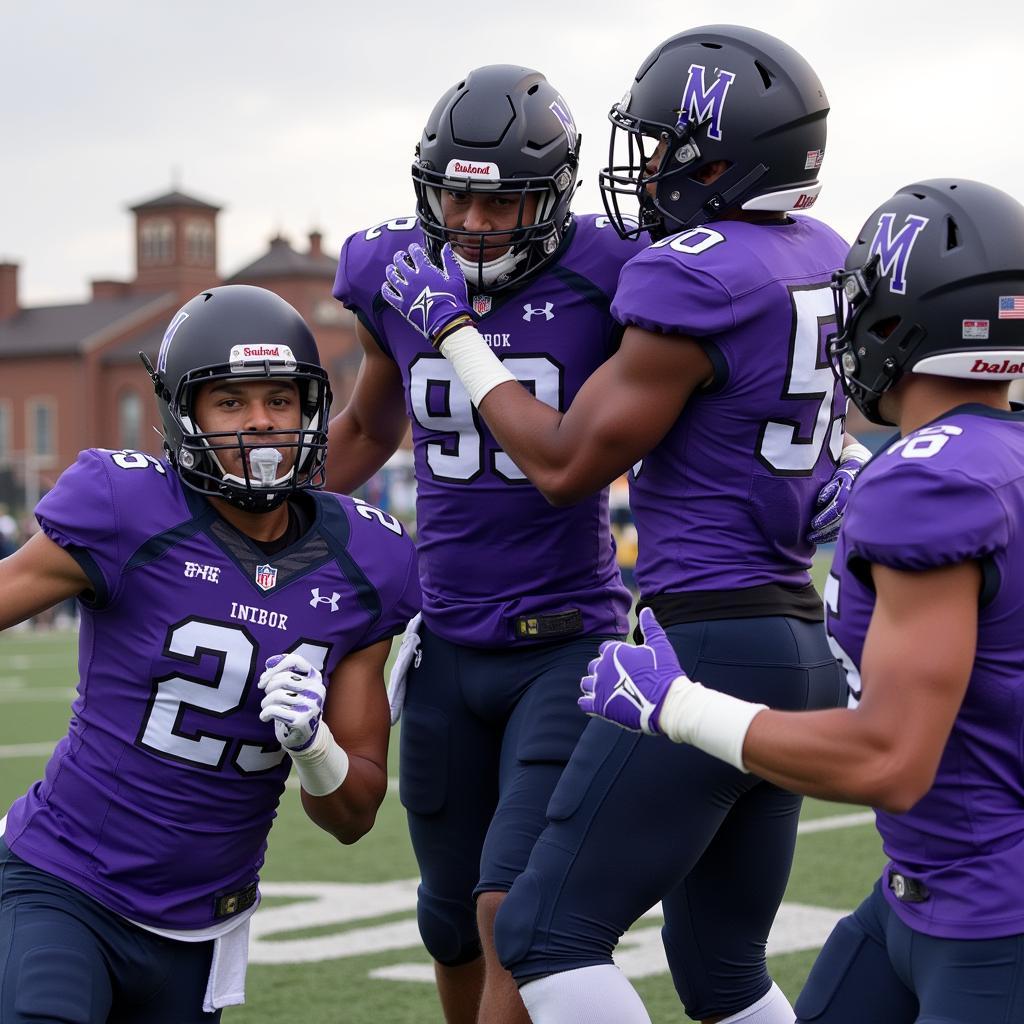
[485, 736]
[639, 819]
[874, 968]
[66, 959]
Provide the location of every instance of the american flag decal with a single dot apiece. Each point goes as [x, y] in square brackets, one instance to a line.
[1011, 307]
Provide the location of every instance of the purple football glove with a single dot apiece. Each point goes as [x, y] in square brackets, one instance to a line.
[293, 699]
[433, 299]
[832, 501]
[627, 684]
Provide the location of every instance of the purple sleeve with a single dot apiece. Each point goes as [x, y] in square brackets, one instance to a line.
[917, 517]
[659, 292]
[400, 596]
[80, 514]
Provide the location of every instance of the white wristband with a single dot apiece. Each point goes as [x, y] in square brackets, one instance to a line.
[323, 766]
[854, 451]
[708, 720]
[479, 369]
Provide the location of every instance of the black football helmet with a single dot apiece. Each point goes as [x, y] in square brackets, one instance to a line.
[722, 92]
[502, 128]
[238, 331]
[933, 284]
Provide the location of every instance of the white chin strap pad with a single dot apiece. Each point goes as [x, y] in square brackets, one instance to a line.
[482, 276]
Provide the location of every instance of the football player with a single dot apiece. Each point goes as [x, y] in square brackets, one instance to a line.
[517, 595]
[722, 387]
[925, 601]
[222, 598]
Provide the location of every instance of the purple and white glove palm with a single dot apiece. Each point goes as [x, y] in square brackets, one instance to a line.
[627, 684]
[433, 299]
[294, 699]
[832, 501]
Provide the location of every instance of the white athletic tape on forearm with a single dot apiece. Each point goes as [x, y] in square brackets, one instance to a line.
[854, 451]
[479, 369]
[323, 766]
[708, 720]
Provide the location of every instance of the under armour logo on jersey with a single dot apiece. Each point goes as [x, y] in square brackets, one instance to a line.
[544, 311]
[893, 252]
[317, 599]
[426, 300]
[702, 103]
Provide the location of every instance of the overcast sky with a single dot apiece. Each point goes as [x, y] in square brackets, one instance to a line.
[304, 114]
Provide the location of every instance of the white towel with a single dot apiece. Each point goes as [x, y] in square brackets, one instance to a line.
[226, 984]
[409, 656]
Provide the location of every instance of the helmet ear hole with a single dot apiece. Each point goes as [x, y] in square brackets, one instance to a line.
[884, 328]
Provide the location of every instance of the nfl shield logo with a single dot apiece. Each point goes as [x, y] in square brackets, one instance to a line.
[266, 577]
[481, 304]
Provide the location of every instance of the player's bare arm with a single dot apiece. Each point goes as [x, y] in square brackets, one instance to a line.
[366, 433]
[357, 715]
[37, 576]
[886, 751]
[624, 409]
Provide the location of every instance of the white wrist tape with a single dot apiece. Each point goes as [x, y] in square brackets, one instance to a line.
[708, 720]
[854, 451]
[479, 369]
[323, 766]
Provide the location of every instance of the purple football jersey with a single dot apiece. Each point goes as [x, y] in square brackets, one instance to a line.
[949, 492]
[724, 501]
[492, 550]
[159, 800]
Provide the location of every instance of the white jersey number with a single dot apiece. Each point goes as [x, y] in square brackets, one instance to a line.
[440, 403]
[233, 651]
[853, 683]
[782, 447]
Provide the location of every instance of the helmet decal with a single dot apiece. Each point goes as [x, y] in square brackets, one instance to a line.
[179, 318]
[893, 252]
[560, 109]
[701, 104]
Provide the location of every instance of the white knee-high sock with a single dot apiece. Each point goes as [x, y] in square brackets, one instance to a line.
[772, 1008]
[588, 995]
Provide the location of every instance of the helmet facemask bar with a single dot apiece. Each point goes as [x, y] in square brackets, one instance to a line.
[200, 467]
[852, 292]
[641, 139]
[499, 257]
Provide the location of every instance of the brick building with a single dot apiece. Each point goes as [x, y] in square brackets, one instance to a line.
[70, 375]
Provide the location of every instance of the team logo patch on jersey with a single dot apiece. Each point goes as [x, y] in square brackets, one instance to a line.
[703, 103]
[243, 357]
[266, 577]
[316, 599]
[545, 311]
[893, 250]
[481, 304]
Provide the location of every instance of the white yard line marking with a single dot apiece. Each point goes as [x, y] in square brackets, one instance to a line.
[43, 749]
[835, 821]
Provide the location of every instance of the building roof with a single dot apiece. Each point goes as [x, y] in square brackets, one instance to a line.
[281, 260]
[128, 351]
[173, 198]
[64, 330]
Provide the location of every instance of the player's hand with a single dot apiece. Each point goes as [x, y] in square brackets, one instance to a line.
[294, 699]
[832, 500]
[434, 300]
[627, 684]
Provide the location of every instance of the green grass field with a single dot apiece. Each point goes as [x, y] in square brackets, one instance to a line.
[352, 954]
